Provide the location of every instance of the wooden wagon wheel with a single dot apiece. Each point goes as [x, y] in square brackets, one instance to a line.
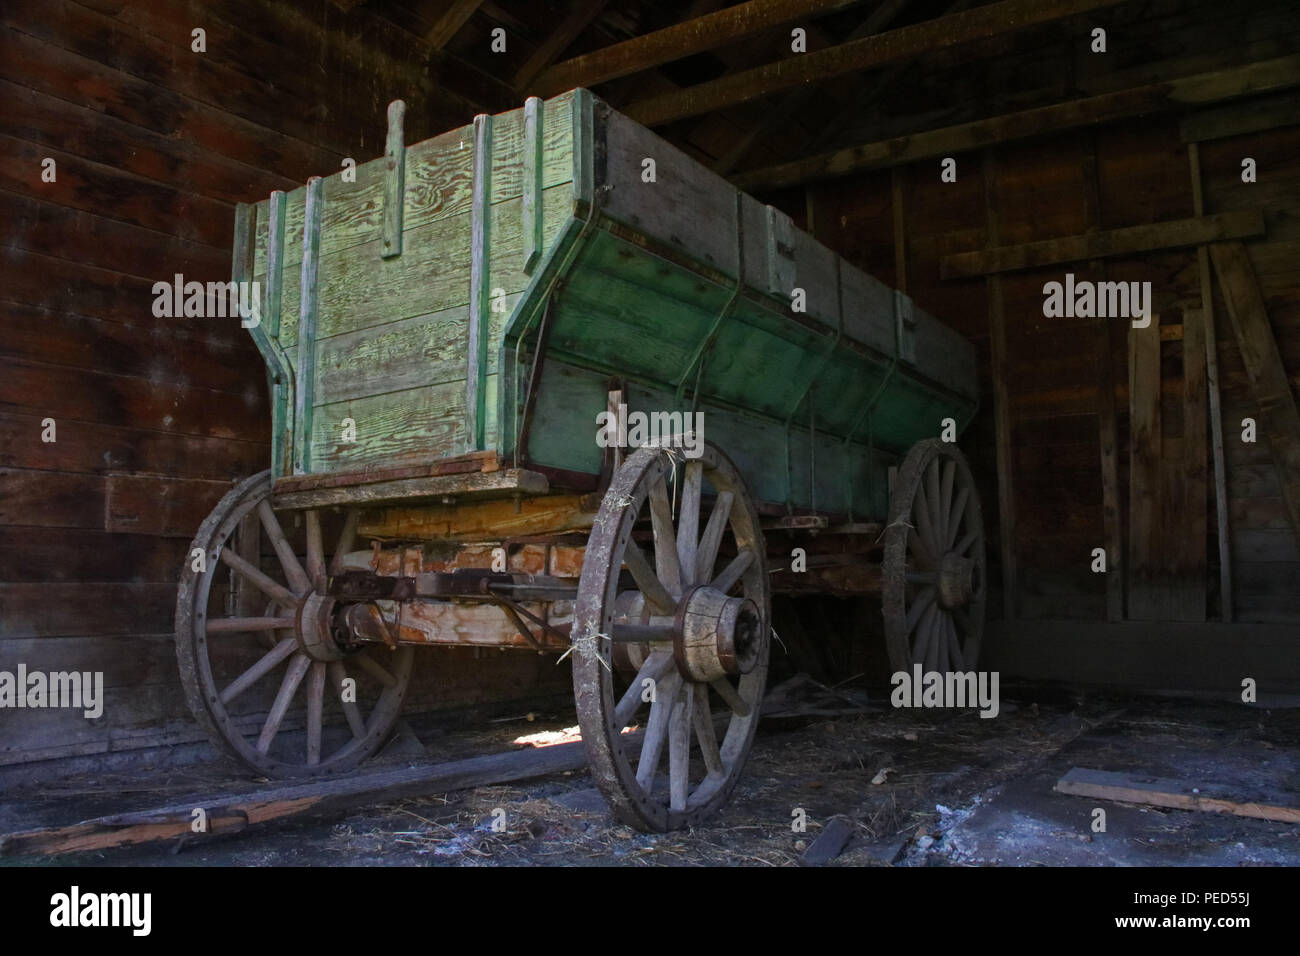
[934, 573]
[689, 621]
[240, 627]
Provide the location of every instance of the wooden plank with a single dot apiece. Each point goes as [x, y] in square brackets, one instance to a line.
[394, 179]
[484, 461]
[1145, 497]
[558, 40]
[680, 40]
[1001, 401]
[1279, 420]
[45, 499]
[449, 24]
[1222, 515]
[830, 842]
[1172, 234]
[153, 504]
[1211, 87]
[1241, 119]
[305, 379]
[234, 811]
[904, 43]
[1136, 788]
[503, 483]
[281, 385]
[534, 116]
[479, 292]
[1189, 522]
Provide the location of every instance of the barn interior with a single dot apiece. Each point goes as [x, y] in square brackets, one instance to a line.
[1140, 480]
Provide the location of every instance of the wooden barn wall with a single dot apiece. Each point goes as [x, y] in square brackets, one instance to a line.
[1123, 173]
[154, 417]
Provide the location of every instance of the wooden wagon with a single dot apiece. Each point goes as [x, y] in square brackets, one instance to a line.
[442, 332]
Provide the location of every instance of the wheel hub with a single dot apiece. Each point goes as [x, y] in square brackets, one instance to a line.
[958, 580]
[314, 628]
[715, 635]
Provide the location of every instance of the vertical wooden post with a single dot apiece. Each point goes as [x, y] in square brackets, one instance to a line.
[394, 179]
[900, 234]
[1145, 489]
[1001, 406]
[281, 391]
[1112, 528]
[532, 203]
[1212, 386]
[305, 379]
[480, 293]
[1190, 558]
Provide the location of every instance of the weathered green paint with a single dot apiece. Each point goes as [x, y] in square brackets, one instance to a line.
[305, 379]
[480, 290]
[532, 223]
[281, 383]
[394, 178]
[658, 284]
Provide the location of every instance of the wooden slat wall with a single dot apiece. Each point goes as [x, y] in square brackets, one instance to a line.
[1053, 377]
[155, 416]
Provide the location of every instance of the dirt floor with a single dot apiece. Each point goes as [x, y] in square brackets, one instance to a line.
[926, 788]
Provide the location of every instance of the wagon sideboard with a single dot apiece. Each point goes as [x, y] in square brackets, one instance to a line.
[477, 296]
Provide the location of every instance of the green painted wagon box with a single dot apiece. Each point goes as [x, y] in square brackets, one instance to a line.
[547, 229]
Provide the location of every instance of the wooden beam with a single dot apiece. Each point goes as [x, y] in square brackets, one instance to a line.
[233, 812]
[1189, 555]
[680, 40]
[1001, 402]
[450, 22]
[1100, 245]
[1134, 788]
[1212, 87]
[558, 41]
[1279, 420]
[793, 102]
[1212, 388]
[904, 43]
[1144, 489]
[1242, 118]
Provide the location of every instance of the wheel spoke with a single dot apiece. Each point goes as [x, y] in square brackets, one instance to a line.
[725, 581]
[293, 571]
[654, 668]
[288, 687]
[924, 599]
[315, 552]
[667, 567]
[924, 527]
[347, 537]
[934, 498]
[941, 641]
[954, 646]
[245, 625]
[712, 537]
[315, 710]
[651, 587]
[919, 550]
[375, 669]
[265, 664]
[656, 731]
[921, 648]
[705, 734]
[966, 542]
[944, 503]
[338, 674]
[269, 587]
[933, 639]
[955, 516]
[731, 697]
[679, 745]
[688, 522]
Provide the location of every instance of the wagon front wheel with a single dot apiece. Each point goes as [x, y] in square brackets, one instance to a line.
[934, 571]
[670, 637]
[265, 672]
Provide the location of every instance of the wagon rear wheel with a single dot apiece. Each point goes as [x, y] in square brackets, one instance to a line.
[262, 670]
[670, 637]
[934, 573]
